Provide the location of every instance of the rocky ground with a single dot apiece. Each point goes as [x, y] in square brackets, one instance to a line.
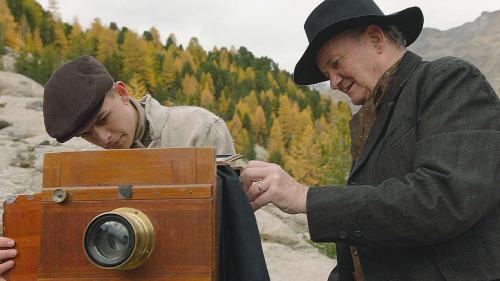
[23, 142]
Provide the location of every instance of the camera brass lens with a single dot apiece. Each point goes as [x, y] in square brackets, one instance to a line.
[121, 239]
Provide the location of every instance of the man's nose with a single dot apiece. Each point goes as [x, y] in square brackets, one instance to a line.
[335, 80]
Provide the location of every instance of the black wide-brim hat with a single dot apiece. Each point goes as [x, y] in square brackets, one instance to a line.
[334, 16]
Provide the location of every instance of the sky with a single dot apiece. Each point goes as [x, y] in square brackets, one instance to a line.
[272, 28]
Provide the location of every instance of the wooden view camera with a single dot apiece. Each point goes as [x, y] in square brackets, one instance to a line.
[141, 214]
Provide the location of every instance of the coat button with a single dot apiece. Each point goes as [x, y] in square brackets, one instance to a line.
[358, 234]
[342, 234]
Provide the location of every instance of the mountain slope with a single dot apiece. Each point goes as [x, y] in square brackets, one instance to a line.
[477, 42]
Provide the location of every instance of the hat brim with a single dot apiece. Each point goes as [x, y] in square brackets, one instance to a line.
[94, 115]
[410, 22]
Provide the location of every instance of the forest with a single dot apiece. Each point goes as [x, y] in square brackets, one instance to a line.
[295, 126]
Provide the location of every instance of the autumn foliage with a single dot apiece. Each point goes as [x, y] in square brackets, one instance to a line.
[304, 132]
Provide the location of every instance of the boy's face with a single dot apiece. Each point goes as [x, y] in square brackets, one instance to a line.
[116, 123]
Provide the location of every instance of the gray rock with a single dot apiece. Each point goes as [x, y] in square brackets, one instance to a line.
[477, 41]
[35, 105]
[8, 61]
[287, 264]
[272, 229]
[261, 153]
[297, 223]
[4, 124]
[17, 85]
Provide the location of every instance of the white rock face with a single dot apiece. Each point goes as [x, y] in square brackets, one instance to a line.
[288, 255]
[287, 264]
[9, 61]
[17, 85]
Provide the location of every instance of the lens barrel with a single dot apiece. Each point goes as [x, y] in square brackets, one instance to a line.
[121, 239]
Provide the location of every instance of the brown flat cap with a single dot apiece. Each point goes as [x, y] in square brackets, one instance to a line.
[73, 96]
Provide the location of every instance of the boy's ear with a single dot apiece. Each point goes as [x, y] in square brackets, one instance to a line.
[121, 88]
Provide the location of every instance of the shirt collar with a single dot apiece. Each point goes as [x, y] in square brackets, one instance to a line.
[140, 131]
[382, 86]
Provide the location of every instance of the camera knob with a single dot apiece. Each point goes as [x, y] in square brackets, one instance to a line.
[59, 195]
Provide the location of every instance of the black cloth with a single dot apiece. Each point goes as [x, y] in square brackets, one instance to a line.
[240, 251]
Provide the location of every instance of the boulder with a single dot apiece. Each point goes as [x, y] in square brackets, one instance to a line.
[17, 85]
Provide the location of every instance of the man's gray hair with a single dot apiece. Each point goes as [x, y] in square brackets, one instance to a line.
[394, 33]
[391, 31]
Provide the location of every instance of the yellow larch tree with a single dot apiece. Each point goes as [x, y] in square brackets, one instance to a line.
[252, 101]
[302, 156]
[34, 43]
[259, 124]
[24, 30]
[136, 87]
[269, 95]
[222, 104]
[76, 30]
[78, 44]
[190, 89]
[234, 69]
[156, 40]
[333, 140]
[185, 57]
[271, 80]
[60, 41]
[242, 108]
[223, 59]
[206, 80]
[241, 75]
[106, 45]
[276, 144]
[287, 116]
[290, 87]
[137, 59]
[250, 74]
[235, 129]
[168, 69]
[207, 98]
[8, 28]
[196, 51]
[96, 29]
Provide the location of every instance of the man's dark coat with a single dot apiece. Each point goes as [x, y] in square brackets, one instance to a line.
[423, 198]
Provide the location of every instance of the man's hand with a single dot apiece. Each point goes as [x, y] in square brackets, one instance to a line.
[268, 183]
[6, 254]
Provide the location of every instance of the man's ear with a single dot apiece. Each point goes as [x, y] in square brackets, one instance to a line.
[376, 37]
[121, 88]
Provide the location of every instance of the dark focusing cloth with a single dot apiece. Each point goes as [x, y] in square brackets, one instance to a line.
[240, 251]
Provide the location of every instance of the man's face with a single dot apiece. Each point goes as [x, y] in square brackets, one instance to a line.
[349, 61]
[116, 123]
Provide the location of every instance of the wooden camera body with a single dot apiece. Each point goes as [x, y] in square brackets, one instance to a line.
[175, 188]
